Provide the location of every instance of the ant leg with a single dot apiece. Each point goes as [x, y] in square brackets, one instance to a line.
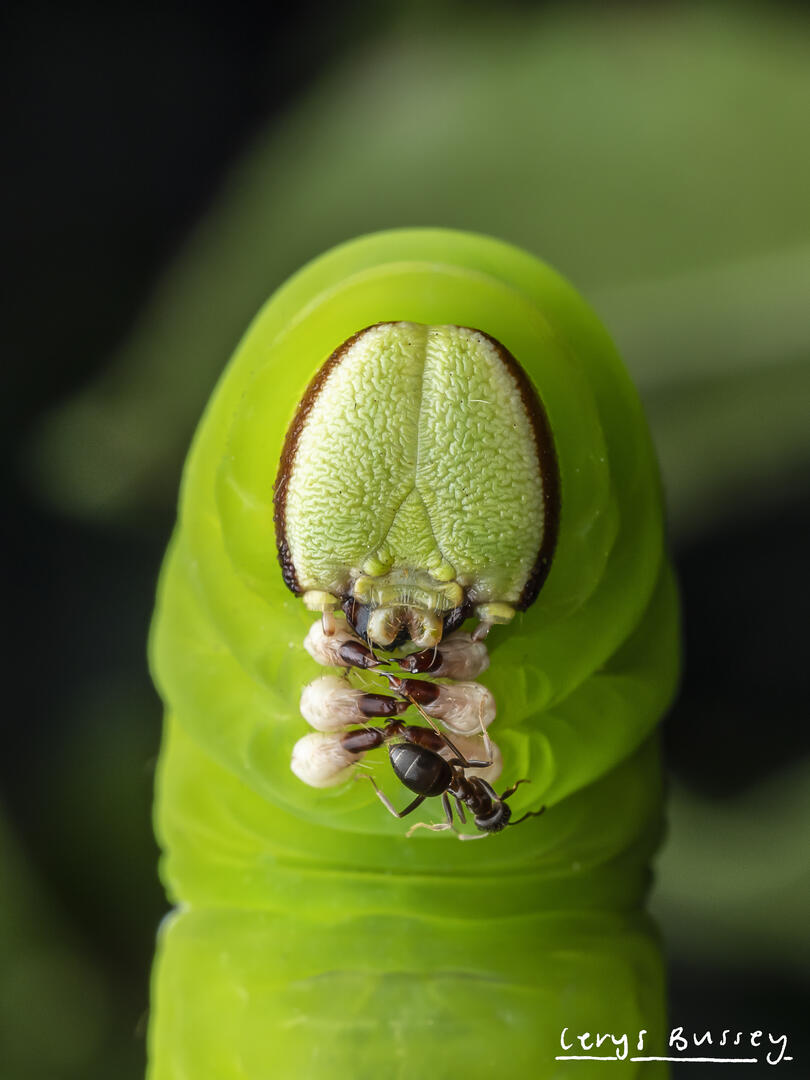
[471, 764]
[441, 827]
[444, 825]
[511, 791]
[389, 806]
[437, 741]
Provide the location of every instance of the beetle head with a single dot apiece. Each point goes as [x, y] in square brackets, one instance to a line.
[392, 626]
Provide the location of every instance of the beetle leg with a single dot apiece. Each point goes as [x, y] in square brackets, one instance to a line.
[458, 657]
[318, 600]
[331, 703]
[489, 616]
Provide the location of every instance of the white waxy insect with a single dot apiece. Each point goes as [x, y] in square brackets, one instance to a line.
[331, 703]
[464, 708]
[460, 657]
[326, 648]
[320, 760]
[418, 486]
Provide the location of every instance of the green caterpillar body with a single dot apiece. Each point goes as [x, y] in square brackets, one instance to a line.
[312, 938]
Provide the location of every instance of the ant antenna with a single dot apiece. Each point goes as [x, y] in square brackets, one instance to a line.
[532, 813]
[432, 723]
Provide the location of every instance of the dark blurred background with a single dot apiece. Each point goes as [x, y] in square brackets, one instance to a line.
[166, 167]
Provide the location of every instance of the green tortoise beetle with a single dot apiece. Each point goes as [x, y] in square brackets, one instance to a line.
[418, 486]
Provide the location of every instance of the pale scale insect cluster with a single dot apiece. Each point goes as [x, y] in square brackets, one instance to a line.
[330, 704]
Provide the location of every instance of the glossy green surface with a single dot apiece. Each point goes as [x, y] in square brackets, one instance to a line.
[313, 939]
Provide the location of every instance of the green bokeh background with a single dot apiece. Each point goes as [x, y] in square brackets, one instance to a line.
[657, 155]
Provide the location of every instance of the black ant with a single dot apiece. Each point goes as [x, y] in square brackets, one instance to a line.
[417, 764]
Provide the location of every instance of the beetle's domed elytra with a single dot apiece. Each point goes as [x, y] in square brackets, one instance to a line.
[418, 479]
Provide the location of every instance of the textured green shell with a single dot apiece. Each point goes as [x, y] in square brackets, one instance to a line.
[415, 448]
[312, 939]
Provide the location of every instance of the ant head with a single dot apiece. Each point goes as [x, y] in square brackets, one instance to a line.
[495, 821]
